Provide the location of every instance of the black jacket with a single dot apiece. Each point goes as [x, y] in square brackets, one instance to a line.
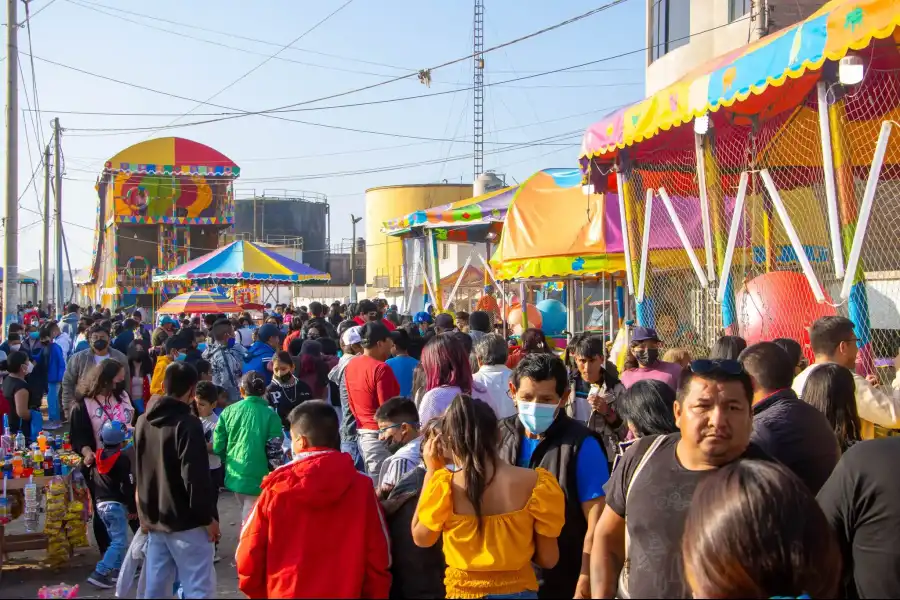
[416, 572]
[798, 436]
[113, 481]
[557, 452]
[283, 398]
[175, 491]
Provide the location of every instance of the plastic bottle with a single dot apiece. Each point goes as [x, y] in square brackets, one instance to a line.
[42, 441]
[4, 510]
[32, 504]
[7, 466]
[48, 460]
[37, 456]
[6, 440]
[18, 465]
[19, 445]
[57, 465]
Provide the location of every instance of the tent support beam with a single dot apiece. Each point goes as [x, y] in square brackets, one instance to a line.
[704, 206]
[645, 246]
[834, 229]
[682, 235]
[732, 235]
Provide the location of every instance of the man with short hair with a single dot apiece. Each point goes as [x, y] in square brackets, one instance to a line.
[69, 323]
[491, 353]
[176, 346]
[655, 480]
[316, 501]
[371, 383]
[317, 319]
[645, 345]
[833, 340]
[81, 363]
[226, 358]
[542, 435]
[124, 339]
[605, 395]
[165, 330]
[789, 430]
[350, 340]
[402, 364]
[176, 498]
[443, 323]
[398, 428]
[368, 311]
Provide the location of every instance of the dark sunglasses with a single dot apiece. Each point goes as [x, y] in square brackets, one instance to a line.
[705, 366]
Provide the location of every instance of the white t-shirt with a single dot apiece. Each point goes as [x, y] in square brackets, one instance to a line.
[98, 358]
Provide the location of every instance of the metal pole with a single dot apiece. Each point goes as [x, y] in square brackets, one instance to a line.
[11, 232]
[834, 220]
[46, 292]
[353, 221]
[57, 166]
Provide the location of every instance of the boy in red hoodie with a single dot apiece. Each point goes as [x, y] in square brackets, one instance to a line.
[317, 530]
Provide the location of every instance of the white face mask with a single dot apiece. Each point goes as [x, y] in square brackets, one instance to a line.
[29, 368]
[15, 347]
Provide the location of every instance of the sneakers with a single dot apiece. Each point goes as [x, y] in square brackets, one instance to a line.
[100, 580]
[114, 575]
[216, 558]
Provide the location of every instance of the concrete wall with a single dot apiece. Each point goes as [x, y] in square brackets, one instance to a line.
[384, 254]
[709, 14]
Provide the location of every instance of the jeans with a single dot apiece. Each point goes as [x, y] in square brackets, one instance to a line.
[183, 556]
[247, 503]
[373, 450]
[115, 518]
[53, 407]
[352, 448]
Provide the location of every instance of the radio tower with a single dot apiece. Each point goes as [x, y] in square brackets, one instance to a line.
[478, 104]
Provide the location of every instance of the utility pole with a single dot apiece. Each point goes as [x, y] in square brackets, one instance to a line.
[478, 87]
[46, 291]
[11, 232]
[354, 221]
[57, 166]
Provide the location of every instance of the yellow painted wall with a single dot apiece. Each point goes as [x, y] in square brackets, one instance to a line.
[384, 255]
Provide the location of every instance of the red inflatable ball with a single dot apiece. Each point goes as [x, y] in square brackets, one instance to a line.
[514, 318]
[779, 304]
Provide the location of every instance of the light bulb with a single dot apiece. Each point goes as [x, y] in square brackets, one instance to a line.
[851, 70]
[701, 124]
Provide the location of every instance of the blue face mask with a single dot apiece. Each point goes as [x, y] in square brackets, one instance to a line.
[201, 346]
[536, 417]
[231, 342]
[181, 357]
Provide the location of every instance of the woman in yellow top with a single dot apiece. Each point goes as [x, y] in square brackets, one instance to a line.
[496, 519]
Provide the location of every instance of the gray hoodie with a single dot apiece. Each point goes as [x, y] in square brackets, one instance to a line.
[348, 421]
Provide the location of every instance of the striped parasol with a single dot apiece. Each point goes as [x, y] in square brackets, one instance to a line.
[199, 302]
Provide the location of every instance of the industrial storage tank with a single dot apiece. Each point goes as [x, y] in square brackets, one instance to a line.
[384, 254]
[279, 217]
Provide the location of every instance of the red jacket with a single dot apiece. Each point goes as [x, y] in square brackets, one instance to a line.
[362, 321]
[317, 531]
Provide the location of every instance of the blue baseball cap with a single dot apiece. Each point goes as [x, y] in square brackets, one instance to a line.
[644, 334]
[112, 433]
[267, 332]
[167, 320]
[422, 317]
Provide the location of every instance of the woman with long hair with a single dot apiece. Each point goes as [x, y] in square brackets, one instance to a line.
[495, 519]
[831, 389]
[141, 373]
[533, 342]
[728, 347]
[448, 373]
[312, 368]
[754, 530]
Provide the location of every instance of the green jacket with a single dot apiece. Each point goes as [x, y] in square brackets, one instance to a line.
[248, 438]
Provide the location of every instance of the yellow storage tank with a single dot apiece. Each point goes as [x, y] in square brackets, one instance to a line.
[384, 255]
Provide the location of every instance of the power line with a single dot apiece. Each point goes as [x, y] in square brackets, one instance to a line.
[265, 61]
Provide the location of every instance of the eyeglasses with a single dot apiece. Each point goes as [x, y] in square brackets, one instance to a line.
[389, 427]
[705, 366]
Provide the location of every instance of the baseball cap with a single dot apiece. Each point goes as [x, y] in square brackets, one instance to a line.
[351, 336]
[444, 321]
[422, 317]
[372, 333]
[112, 433]
[267, 332]
[167, 320]
[643, 334]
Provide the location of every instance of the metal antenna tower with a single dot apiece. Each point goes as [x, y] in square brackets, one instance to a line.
[478, 104]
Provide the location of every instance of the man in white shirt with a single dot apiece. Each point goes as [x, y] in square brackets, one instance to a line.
[833, 340]
[493, 374]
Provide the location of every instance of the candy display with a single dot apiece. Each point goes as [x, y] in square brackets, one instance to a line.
[58, 591]
[54, 528]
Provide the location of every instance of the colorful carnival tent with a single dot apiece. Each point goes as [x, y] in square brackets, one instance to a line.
[770, 128]
[243, 262]
[201, 302]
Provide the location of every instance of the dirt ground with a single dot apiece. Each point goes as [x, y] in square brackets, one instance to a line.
[23, 573]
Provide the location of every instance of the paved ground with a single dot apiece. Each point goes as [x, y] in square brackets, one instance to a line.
[23, 573]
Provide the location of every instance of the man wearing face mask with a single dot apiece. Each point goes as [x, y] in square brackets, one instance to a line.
[176, 350]
[226, 358]
[646, 364]
[398, 428]
[82, 362]
[543, 435]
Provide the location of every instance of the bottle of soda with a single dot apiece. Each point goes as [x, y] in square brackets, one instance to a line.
[19, 445]
[6, 440]
[57, 465]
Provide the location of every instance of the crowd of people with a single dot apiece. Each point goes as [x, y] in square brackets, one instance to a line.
[382, 455]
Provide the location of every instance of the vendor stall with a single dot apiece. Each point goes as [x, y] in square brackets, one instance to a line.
[788, 152]
[242, 263]
[199, 302]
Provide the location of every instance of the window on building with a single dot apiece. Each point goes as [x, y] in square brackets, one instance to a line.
[737, 9]
[445, 251]
[670, 25]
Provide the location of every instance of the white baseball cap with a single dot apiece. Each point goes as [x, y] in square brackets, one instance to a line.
[351, 336]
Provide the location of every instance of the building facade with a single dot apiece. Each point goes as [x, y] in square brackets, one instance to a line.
[682, 34]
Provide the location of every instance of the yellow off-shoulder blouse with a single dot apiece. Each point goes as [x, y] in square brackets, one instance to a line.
[499, 560]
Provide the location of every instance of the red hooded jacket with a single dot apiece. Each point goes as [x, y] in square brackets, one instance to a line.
[317, 531]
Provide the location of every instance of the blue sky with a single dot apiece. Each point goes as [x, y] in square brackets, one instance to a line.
[400, 35]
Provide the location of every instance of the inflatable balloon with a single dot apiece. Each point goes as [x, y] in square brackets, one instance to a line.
[779, 304]
[553, 316]
[515, 318]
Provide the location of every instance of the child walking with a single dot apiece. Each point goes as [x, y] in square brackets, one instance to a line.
[206, 397]
[285, 393]
[114, 492]
[248, 438]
